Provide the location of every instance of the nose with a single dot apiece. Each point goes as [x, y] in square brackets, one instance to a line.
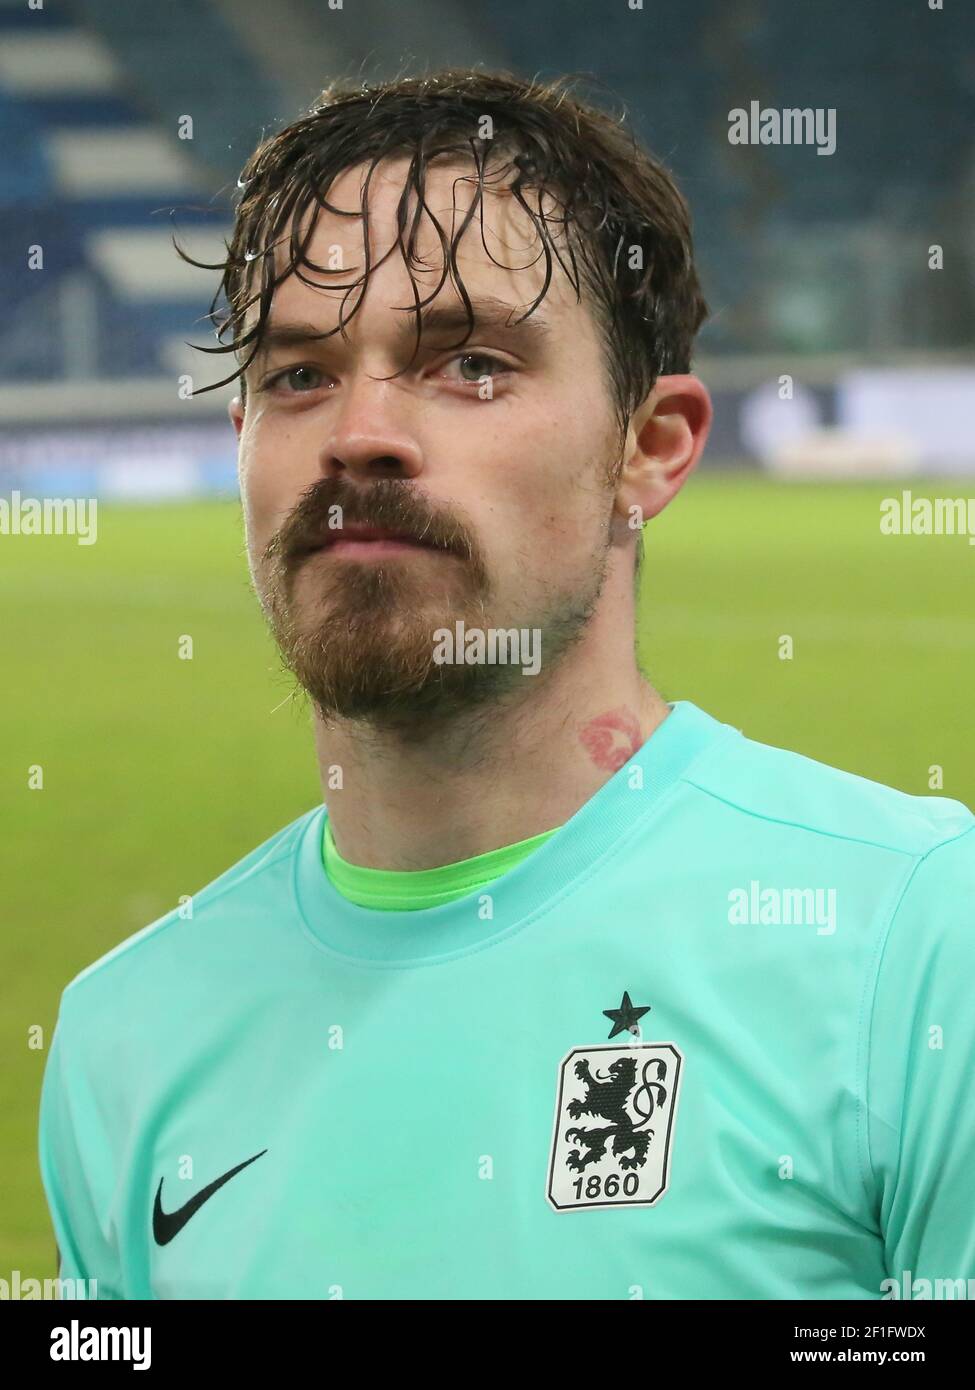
[371, 434]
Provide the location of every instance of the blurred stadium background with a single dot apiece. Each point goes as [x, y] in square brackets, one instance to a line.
[159, 772]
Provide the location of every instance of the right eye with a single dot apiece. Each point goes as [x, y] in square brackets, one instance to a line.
[296, 380]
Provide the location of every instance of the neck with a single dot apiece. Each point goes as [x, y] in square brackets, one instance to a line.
[493, 776]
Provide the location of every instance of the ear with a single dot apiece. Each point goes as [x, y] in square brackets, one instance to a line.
[235, 410]
[664, 440]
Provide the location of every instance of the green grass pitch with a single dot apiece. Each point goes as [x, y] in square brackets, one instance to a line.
[159, 772]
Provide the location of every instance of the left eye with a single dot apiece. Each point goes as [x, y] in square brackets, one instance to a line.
[475, 365]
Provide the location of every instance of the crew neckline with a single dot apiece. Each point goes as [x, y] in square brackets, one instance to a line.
[429, 936]
[417, 890]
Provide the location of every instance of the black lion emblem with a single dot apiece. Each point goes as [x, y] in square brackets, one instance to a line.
[607, 1098]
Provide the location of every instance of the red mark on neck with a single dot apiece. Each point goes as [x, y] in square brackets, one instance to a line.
[611, 739]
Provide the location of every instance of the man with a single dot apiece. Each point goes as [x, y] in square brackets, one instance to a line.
[570, 993]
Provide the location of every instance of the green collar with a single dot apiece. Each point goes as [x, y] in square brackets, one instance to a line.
[412, 889]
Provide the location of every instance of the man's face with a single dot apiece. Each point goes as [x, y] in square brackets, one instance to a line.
[491, 460]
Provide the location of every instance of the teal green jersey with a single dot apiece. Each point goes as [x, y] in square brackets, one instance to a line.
[713, 1038]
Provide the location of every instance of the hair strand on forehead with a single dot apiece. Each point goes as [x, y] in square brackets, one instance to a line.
[615, 223]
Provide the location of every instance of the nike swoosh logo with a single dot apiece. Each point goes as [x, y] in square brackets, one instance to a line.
[166, 1224]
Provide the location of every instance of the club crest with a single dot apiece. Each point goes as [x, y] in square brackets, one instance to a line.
[614, 1119]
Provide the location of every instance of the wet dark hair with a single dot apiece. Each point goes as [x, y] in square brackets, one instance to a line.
[622, 224]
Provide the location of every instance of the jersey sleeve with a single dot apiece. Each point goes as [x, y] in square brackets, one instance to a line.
[75, 1169]
[920, 1097]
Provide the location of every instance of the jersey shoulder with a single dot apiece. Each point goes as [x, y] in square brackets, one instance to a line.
[243, 877]
[787, 788]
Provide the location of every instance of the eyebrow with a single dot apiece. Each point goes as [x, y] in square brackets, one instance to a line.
[437, 321]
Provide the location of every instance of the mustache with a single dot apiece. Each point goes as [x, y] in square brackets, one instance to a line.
[390, 503]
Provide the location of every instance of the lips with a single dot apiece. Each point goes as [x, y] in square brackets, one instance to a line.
[380, 536]
[371, 533]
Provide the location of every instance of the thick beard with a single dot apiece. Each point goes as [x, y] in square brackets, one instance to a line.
[360, 639]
